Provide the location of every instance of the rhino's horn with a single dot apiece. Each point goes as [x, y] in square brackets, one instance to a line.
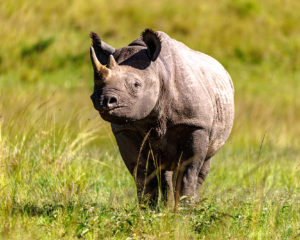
[112, 62]
[101, 70]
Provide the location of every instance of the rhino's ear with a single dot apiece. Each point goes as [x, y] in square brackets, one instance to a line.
[102, 49]
[153, 43]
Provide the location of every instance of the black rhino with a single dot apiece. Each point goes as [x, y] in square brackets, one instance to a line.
[171, 109]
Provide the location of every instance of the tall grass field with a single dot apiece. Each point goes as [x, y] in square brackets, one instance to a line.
[61, 174]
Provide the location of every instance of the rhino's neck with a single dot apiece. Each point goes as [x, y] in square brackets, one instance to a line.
[165, 67]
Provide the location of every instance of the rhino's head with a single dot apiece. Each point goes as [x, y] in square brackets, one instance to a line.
[127, 89]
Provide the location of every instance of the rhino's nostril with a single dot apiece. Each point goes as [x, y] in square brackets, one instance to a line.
[112, 102]
[109, 102]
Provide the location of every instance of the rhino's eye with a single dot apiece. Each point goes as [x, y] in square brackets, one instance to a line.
[137, 84]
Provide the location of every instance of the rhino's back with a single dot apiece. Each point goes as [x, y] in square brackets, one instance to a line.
[207, 91]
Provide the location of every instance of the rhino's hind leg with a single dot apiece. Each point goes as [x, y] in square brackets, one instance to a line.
[202, 175]
[167, 189]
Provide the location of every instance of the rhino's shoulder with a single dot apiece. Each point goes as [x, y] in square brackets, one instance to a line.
[195, 83]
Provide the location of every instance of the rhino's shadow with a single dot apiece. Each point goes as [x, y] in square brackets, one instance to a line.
[139, 60]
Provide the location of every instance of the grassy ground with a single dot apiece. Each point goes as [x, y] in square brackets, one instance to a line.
[61, 175]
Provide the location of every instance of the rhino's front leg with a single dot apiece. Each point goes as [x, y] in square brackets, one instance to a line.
[194, 154]
[139, 162]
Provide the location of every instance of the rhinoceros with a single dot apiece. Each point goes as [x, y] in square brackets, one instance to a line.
[171, 109]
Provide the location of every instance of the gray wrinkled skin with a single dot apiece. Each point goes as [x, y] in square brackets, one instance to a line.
[171, 109]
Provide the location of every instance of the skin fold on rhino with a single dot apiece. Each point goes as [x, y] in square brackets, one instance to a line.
[171, 109]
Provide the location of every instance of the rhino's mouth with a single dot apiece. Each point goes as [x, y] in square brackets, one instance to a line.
[110, 110]
[114, 108]
[114, 115]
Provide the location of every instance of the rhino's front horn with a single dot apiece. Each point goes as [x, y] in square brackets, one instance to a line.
[112, 62]
[101, 70]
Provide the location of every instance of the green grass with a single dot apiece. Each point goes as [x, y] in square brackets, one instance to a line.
[61, 175]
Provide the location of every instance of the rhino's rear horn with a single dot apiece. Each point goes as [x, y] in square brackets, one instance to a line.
[101, 71]
[112, 62]
[153, 43]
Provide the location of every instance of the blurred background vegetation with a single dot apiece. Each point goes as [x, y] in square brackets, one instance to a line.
[59, 160]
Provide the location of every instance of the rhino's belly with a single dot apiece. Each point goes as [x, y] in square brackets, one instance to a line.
[219, 135]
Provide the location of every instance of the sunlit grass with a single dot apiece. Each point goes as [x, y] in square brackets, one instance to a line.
[60, 169]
